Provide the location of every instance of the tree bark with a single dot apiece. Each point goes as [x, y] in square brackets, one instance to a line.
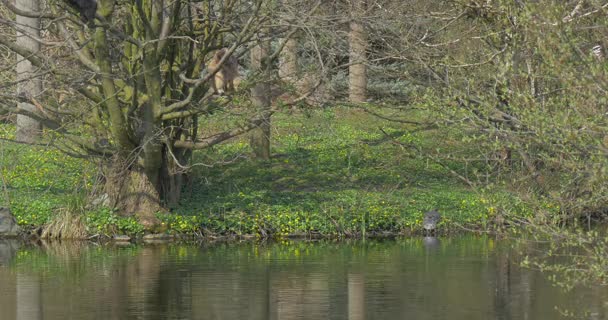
[288, 61]
[118, 121]
[132, 193]
[358, 44]
[173, 177]
[260, 97]
[30, 86]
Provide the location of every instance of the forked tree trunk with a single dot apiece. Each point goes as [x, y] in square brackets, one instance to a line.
[30, 86]
[260, 96]
[358, 44]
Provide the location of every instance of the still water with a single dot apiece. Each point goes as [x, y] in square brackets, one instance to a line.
[455, 278]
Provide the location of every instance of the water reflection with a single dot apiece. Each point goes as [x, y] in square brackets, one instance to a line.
[8, 248]
[356, 296]
[28, 292]
[431, 243]
[422, 278]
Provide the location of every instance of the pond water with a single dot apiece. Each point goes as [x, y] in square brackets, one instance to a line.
[420, 278]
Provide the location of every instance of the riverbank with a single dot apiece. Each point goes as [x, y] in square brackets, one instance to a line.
[335, 172]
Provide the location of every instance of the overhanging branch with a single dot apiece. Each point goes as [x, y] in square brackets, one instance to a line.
[26, 13]
[223, 136]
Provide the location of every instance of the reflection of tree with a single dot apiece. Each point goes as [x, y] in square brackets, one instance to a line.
[29, 306]
[225, 289]
[8, 300]
[143, 276]
[503, 289]
[598, 307]
[526, 285]
[8, 248]
[356, 296]
[462, 279]
[292, 296]
[73, 276]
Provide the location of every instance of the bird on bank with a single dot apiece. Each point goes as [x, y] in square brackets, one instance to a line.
[430, 221]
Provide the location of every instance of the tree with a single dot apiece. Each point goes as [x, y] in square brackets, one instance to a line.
[131, 90]
[29, 83]
[288, 59]
[260, 97]
[288, 62]
[529, 95]
[358, 46]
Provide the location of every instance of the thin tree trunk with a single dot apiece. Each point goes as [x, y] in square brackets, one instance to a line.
[358, 44]
[28, 129]
[260, 96]
[288, 61]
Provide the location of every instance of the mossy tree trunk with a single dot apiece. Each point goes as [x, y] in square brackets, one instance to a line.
[132, 178]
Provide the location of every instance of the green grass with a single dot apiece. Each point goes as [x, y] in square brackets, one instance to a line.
[36, 181]
[333, 172]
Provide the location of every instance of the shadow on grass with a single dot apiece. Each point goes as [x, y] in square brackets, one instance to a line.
[311, 179]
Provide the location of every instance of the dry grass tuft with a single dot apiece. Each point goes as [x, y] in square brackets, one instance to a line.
[65, 225]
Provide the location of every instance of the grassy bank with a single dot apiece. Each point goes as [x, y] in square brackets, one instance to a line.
[334, 172]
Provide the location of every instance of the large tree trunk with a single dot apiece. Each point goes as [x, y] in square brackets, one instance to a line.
[132, 193]
[358, 44]
[260, 96]
[30, 86]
